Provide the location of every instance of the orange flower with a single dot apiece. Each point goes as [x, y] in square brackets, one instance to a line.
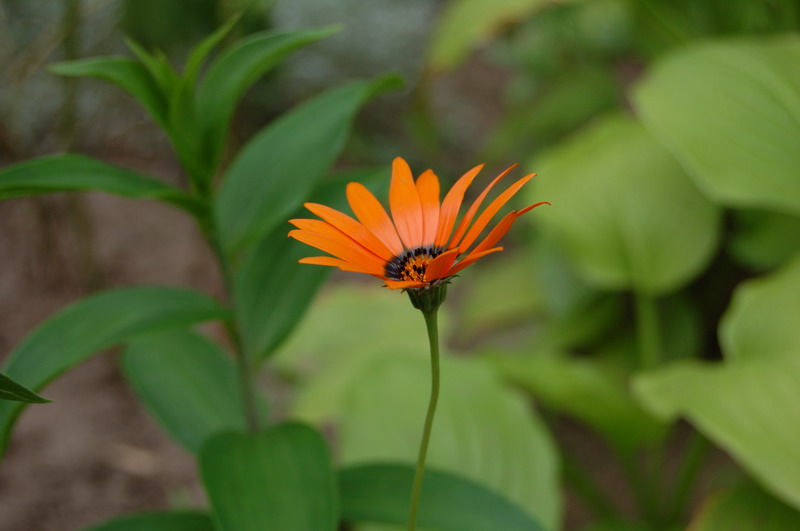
[416, 247]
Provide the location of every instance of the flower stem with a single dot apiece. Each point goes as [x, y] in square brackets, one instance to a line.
[433, 337]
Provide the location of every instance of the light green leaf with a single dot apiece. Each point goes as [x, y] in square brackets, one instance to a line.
[624, 210]
[159, 521]
[277, 480]
[466, 24]
[587, 389]
[745, 507]
[762, 319]
[96, 323]
[764, 240]
[276, 171]
[745, 407]
[379, 493]
[232, 73]
[188, 383]
[483, 431]
[127, 74]
[77, 173]
[11, 390]
[730, 112]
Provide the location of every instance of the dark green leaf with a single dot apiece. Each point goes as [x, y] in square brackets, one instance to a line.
[96, 323]
[188, 383]
[277, 480]
[381, 493]
[129, 75]
[11, 390]
[77, 173]
[764, 240]
[159, 521]
[158, 65]
[199, 53]
[276, 171]
[235, 70]
[745, 507]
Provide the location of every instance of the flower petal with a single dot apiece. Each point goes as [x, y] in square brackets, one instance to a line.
[487, 215]
[335, 262]
[448, 213]
[405, 205]
[471, 259]
[371, 214]
[440, 265]
[473, 209]
[349, 253]
[352, 228]
[428, 191]
[404, 284]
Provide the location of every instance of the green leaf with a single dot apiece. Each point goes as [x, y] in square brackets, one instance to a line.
[745, 407]
[157, 64]
[129, 75]
[199, 53]
[188, 383]
[745, 507]
[77, 173]
[730, 112]
[624, 210]
[96, 323]
[380, 493]
[588, 390]
[761, 320]
[11, 390]
[272, 291]
[234, 71]
[466, 24]
[277, 480]
[276, 171]
[764, 240]
[483, 431]
[159, 521]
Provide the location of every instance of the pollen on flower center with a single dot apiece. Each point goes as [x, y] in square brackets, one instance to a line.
[412, 264]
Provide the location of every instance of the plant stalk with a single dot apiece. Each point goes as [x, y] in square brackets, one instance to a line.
[433, 337]
[647, 327]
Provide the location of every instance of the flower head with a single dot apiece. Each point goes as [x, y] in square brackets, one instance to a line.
[420, 245]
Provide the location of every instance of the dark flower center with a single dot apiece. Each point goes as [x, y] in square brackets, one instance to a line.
[411, 265]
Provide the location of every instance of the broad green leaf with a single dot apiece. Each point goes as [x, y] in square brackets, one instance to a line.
[96, 323]
[380, 493]
[730, 112]
[483, 431]
[232, 73]
[624, 210]
[77, 173]
[276, 480]
[762, 319]
[744, 507]
[188, 383]
[276, 171]
[159, 521]
[466, 24]
[746, 407]
[129, 75]
[588, 390]
[11, 390]
[272, 291]
[764, 240]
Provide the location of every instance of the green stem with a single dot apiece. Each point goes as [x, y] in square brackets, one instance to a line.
[433, 338]
[647, 327]
[690, 466]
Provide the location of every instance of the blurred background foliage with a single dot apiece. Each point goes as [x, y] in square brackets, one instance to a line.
[661, 285]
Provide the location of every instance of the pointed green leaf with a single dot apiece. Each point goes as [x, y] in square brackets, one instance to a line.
[188, 383]
[159, 521]
[199, 53]
[77, 173]
[744, 507]
[380, 494]
[96, 323]
[157, 64]
[276, 480]
[12, 390]
[730, 112]
[275, 172]
[129, 75]
[235, 70]
[624, 210]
